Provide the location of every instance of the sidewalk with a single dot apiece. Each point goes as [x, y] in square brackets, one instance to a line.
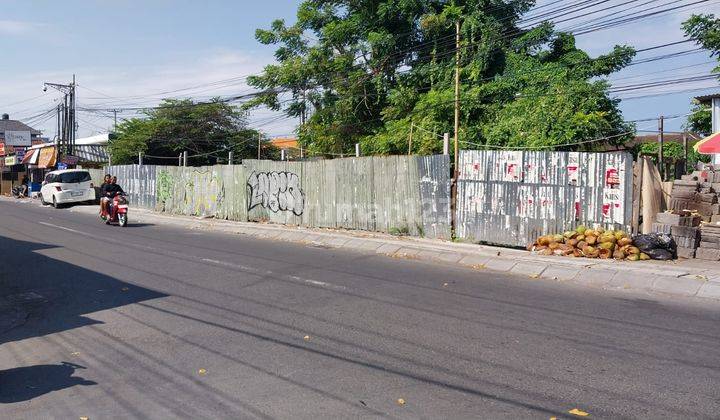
[681, 277]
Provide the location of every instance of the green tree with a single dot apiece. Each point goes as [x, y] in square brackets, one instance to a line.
[367, 71]
[699, 120]
[672, 153]
[207, 131]
[705, 30]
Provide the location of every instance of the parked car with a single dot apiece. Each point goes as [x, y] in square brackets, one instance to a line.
[67, 186]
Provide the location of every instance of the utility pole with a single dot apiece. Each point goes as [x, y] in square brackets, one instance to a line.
[114, 111]
[410, 139]
[140, 159]
[446, 143]
[357, 149]
[185, 158]
[73, 119]
[259, 139]
[180, 159]
[453, 199]
[661, 141]
[230, 158]
[685, 150]
[282, 154]
[68, 127]
[66, 122]
[58, 133]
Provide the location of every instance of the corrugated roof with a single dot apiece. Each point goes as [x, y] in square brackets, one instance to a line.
[707, 98]
[96, 139]
[91, 153]
[14, 125]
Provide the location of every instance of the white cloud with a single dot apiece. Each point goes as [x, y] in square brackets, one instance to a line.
[200, 75]
[18, 27]
[129, 84]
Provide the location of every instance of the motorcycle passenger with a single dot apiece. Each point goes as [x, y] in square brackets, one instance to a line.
[111, 191]
[104, 199]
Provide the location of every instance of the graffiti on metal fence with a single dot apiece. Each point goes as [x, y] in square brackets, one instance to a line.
[164, 186]
[276, 191]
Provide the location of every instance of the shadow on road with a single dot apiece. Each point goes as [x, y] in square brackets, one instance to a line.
[54, 294]
[138, 225]
[25, 383]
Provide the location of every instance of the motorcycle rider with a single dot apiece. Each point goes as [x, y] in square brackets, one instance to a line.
[113, 189]
[104, 199]
[24, 185]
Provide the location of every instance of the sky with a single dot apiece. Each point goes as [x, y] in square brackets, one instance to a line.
[128, 53]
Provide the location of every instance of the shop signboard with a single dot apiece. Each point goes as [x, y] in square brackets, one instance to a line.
[17, 138]
[47, 157]
[69, 160]
[10, 160]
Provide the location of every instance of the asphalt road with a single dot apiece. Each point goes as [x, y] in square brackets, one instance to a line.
[163, 322]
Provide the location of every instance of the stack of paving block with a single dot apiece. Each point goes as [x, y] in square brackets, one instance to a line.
[683, 227]
[697, 192]
[709, 242]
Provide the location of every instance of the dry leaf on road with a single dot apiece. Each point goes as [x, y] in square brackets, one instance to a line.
[578, 412]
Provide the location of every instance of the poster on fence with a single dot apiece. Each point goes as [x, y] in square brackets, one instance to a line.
[578, 204]
[513, 166]
[573, 168]
[612, 176]
[612, 206]
[526, 202]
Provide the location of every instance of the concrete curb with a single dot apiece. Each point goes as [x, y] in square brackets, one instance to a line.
[650, 276]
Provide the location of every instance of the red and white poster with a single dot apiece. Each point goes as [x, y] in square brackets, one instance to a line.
[513, 166]
[612, 206]
[573, 168]
[612, 177]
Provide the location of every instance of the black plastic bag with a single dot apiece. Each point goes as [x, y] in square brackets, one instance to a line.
[653, 243]
[647, 242]
[660, 254]
[667, 242]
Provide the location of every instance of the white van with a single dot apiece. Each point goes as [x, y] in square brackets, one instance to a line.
[67, 186]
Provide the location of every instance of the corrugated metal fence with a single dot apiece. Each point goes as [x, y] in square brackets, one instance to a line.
[138, 182]
[400, 194]
[507, 198]
[397, 194]
[513, 197]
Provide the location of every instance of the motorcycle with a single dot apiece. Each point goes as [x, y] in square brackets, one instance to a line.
[117, 211]
[18, 191]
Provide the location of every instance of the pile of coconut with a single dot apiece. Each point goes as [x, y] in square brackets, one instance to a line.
[589, 243]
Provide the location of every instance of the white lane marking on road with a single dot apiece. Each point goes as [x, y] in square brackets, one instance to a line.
[63, 228]
[223, 263]
[232, 265]
[271, 273]
[317, 283]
